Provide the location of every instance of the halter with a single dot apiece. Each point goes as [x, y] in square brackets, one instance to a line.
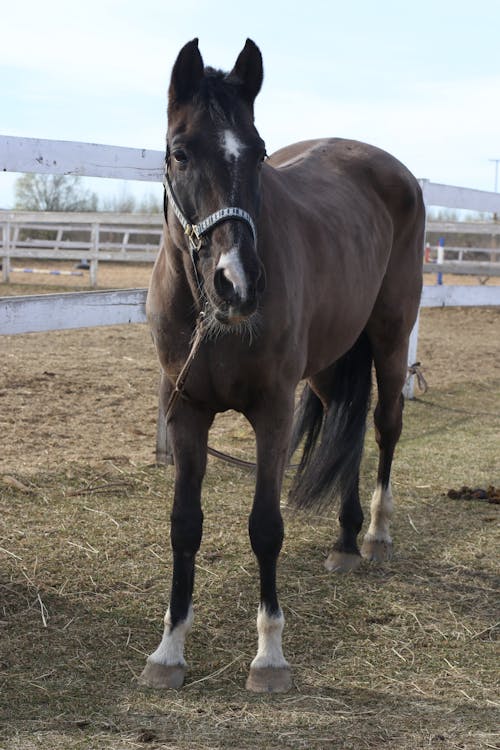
[195, 232]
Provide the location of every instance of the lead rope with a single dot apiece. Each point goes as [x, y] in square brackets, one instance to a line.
[415, 369]
[182, 377]
[179, 390]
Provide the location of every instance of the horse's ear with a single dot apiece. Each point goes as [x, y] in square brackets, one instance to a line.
[186, 74]
[248, 72]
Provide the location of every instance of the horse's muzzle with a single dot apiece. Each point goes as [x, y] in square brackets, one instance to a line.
[237, 292]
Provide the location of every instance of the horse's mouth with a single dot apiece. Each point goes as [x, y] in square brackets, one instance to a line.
[233, 321]
[230, 317]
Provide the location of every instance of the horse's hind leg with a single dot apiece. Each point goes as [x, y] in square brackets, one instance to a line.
[391, 368]
[345, 389]
[345, 555]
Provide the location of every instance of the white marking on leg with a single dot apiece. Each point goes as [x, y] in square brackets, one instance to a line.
[269, 651]
[380, 515]
[170, 652]
[230, 263]
[232, 145]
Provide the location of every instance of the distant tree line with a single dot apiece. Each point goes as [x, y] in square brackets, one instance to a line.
[43, 192]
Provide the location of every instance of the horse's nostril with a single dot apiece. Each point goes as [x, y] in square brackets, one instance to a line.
[223, 286]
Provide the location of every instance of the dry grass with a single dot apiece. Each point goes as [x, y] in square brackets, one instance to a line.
[396, 656]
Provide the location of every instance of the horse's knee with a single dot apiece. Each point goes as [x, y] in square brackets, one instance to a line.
[388, 422]
[266, 533]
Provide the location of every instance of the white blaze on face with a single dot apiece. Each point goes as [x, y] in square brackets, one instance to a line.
[230, 264]
[230, 261]
[232, 146]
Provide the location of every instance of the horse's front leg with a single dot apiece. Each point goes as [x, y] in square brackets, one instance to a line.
[188, 433]
[269, 671]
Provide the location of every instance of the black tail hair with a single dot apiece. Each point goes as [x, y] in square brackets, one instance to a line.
[334, 436]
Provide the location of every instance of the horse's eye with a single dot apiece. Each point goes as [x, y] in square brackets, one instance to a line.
[180, 156]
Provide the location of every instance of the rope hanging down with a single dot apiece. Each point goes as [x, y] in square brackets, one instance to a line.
[415, 370]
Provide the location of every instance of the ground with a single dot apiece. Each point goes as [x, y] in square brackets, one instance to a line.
[402, 655]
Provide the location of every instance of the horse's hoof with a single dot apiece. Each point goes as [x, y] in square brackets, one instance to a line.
[376, 550]
[269, 679]
[342, 562]
[162, 677]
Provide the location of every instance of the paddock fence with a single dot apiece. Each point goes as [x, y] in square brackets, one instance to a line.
[137, 238]
[86, 309]
[89, 237]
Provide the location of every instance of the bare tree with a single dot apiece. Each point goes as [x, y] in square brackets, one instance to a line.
[42, 192]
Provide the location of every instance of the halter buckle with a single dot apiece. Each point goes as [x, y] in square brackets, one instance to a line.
[194, 238]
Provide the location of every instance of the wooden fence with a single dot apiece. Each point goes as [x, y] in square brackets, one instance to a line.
[93, 237]
[119, 237]
[52, 312]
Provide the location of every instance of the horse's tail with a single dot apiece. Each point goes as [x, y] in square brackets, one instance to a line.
[334, 437]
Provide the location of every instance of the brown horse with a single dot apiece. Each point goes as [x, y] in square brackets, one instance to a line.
[306, 265]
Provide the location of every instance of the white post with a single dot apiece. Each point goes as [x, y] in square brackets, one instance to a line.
[94, 252]
[58, 238]
[440, 259]
[6, 252]
[409, 387]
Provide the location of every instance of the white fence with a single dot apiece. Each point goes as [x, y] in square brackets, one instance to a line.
[53, 312]
[121, 237]
[95, 237]
[57, 312]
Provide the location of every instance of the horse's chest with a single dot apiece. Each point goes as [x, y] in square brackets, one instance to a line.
[219, 378]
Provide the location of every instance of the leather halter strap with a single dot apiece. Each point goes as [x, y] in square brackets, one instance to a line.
[195, 232]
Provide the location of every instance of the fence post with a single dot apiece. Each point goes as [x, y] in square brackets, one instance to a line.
[94, 252]
[409, 386]
[164, 454]
[6, 253]
[494, 242]
[440, 259]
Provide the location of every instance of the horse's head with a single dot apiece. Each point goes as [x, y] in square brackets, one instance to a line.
[214, 156]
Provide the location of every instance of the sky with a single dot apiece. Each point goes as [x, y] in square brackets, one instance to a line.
[421, 80]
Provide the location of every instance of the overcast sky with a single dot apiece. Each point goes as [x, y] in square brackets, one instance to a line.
[421, 79]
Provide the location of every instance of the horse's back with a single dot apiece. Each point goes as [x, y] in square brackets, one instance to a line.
[357, 166]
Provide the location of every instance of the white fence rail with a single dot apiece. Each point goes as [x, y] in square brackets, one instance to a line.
[57, 312]
[83, 159]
